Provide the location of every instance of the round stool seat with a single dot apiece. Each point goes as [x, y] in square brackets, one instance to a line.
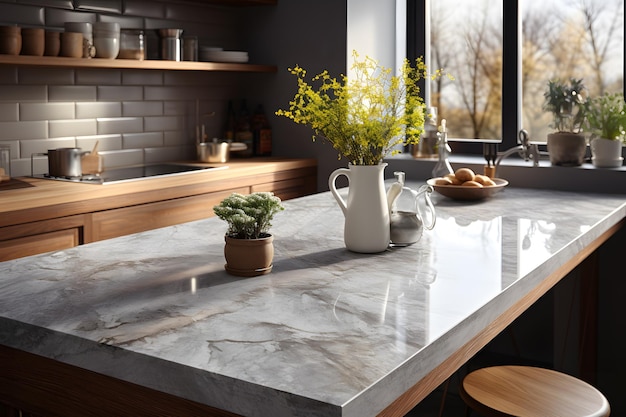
[526, 391]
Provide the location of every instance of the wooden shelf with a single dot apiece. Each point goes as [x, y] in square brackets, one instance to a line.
[48, 61]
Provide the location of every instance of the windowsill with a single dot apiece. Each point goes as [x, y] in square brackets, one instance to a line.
[520, 173]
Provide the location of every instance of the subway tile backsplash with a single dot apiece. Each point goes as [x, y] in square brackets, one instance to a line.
[48, 111]
[92, 110]
[105, 6]
[135, 116]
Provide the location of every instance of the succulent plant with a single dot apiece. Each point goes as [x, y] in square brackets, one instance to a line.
[248, 216]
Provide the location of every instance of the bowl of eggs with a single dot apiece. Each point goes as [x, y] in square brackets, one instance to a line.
[464, 184]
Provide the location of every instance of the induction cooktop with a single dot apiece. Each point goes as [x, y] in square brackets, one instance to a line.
[135, 173]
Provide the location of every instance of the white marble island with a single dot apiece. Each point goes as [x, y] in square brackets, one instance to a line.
[328, 332]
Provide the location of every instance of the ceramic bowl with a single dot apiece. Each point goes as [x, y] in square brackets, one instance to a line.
[459, 192]
[105, 27]
[107, 48]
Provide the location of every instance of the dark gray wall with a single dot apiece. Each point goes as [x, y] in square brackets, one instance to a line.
[309, 33]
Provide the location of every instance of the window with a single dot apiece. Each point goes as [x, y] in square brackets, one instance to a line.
[503, 52]
[563, 39]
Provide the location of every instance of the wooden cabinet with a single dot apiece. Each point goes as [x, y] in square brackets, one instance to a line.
[123, 221]
[138, 206]
[138, 218]
[39, 237]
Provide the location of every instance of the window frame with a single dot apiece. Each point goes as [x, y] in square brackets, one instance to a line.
[418, 45]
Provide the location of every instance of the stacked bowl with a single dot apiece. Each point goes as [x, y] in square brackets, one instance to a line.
[106, 38]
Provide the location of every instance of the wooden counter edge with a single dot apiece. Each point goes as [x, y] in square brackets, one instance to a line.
[406, 402]
[50, 199]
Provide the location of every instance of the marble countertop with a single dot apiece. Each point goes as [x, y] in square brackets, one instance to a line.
[327, 333]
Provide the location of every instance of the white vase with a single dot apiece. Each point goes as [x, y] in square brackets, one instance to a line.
[606, 153]
[366, 211]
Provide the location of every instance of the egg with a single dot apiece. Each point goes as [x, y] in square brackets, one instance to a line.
[464, 174]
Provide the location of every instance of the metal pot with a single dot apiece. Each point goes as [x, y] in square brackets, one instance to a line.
[218, 151]
[213, 151]
[65, 162]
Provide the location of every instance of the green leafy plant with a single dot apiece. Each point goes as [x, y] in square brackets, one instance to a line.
[606, 116]
[365, 117]
[566, 103]
[248, 216]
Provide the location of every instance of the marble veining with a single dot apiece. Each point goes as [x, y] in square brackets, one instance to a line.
[327, 333]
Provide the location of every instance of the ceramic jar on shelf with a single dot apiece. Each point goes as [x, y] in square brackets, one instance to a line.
[33, 41]
[52, 42]
[86, 29]
[71, 44]
[10, 40]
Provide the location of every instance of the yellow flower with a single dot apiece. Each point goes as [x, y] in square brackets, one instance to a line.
[366, 117]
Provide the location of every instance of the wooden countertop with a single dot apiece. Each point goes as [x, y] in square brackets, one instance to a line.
[42, 199]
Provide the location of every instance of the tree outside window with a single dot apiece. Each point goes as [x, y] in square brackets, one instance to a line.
[560, 39]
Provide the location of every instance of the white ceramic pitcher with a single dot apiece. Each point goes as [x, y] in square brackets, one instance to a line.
[366, 210]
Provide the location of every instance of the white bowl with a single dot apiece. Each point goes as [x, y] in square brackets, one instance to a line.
[106, 27]
[107, 47]
[224, 56]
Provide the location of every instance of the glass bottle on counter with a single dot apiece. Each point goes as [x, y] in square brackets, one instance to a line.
[443, 167]
[262, 133]
[243, 131]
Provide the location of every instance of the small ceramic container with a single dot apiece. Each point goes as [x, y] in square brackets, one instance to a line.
[106, 38]
[100, 27]
[10, 40]
[107, 48]
[72, 44]
[33, 41]
[52, 43]
[86, 29]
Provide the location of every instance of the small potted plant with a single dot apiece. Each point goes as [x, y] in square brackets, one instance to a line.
[567, 146]
[606, 121]
[249, 248]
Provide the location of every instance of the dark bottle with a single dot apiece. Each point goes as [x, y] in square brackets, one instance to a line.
[243, 131]
[231, 122]
[262, 133]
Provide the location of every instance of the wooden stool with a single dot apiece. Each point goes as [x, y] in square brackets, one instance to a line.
[526, 391]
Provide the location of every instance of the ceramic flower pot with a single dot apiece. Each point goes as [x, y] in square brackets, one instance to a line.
[249, 257]
[606, 153]
[366, 228]
[566, 149]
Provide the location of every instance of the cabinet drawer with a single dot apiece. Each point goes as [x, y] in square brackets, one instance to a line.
[290, 188]
[44, 242]
[124, 221]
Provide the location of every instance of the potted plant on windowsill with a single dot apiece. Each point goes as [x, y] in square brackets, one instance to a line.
[567, 146]
[249, 248]
[606, 121]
